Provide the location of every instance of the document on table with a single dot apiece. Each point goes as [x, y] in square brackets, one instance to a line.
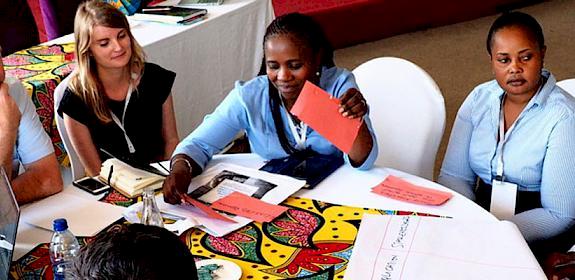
[86, 217]
[411, 247]
[223, 179]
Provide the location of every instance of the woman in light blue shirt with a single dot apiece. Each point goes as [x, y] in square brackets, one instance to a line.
[295, 51]
[535, 149]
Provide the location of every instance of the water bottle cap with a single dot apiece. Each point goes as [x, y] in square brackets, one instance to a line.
[60, 225]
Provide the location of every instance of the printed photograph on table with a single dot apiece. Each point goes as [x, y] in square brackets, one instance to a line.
[227, 182]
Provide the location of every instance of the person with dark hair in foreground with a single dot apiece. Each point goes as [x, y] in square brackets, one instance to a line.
[135, 251]
[295, 51]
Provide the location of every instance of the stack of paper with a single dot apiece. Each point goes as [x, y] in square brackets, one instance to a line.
[243, 184]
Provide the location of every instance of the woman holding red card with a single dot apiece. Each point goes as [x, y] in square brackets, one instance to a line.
[295, 51]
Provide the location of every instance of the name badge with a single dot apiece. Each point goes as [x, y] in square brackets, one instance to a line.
[503, 199]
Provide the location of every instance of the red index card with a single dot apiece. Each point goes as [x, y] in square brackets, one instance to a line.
[206, 209]
[397, 188]
[320, 111]
[249, 207]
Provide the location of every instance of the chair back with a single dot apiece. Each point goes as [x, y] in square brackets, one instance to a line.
[407, 112]
[568, 85]
[75, 163]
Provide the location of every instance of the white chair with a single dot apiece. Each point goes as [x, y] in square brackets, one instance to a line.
[568, 85]
[75, 163]
[407, 112]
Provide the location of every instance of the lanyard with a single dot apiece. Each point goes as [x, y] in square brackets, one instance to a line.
[299, 132]
[503, 137]
[121, 123]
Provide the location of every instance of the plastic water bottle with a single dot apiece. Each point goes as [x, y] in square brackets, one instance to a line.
[64, 248]
[150, 211]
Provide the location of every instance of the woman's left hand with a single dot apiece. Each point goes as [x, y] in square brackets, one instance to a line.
[352, 104]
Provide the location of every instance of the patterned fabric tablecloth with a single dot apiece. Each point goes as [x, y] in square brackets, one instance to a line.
[312, 240]
[40, 69]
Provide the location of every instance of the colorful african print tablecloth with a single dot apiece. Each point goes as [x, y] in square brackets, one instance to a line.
[40, 69]
[312, 240]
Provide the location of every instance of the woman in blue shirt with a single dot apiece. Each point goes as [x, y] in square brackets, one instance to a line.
[295, 50]
[517, 131]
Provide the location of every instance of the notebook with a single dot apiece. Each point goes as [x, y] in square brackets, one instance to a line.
[184, 3]
[312, 168]
[9, 216]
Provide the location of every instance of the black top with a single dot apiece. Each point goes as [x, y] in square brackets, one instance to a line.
[143, 120]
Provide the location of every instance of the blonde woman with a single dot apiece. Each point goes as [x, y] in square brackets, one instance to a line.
[115, 101]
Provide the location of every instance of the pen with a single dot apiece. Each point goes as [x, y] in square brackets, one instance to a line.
[564, 264]
[156, 9]
[110, 175]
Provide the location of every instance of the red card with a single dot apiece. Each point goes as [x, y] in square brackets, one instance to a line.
[249, 207]
[206, 209]
[397, 188]
[320, 111]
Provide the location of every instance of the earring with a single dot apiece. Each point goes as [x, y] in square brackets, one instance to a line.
[317, 73]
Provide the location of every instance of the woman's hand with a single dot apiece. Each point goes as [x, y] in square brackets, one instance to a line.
[352, 104]
[177, 182]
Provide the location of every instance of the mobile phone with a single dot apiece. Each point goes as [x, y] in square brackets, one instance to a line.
[91, 185]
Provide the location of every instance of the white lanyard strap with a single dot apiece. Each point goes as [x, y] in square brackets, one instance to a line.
[502, 139]
[299, 132]
[121, 123]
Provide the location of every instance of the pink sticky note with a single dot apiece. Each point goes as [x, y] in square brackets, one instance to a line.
[320, 111]
[249, 207]
[206, 209]
[397, 188]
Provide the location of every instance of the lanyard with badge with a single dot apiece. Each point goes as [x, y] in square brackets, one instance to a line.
[503, 194]
[299, 131]
[121, 123]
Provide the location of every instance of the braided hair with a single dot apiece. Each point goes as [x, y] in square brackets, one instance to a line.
[308, 34]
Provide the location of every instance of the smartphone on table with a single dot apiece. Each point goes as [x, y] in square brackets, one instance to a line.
[91, 185]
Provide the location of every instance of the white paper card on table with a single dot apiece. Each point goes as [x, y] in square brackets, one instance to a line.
[222, 179]
[410, 247]
[503, 199]
[86, 217]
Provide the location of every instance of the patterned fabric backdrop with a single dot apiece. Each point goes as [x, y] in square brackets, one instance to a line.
[40, 69]
[312, 240]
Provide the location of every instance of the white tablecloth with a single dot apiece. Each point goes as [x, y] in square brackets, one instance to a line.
[208, 56]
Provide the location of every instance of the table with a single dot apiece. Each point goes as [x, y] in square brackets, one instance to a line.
[347, 186]
[208, 56]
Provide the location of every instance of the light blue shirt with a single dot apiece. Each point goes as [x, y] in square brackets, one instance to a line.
[247, 108]
[539, 154]
[32, 142]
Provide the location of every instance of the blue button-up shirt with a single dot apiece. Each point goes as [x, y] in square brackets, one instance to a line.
[539, 154]
[246, 108]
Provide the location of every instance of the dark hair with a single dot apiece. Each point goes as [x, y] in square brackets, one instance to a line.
[134, 251]
[308, 34]
[518, 19]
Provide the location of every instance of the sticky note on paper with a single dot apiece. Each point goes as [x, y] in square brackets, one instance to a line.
[397, 188]
[249, 207]
[206, 209]
[320, 111]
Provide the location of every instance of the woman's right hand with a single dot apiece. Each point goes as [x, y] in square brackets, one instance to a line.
[177, 182]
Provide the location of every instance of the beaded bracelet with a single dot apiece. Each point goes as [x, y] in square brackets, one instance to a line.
[181, 159]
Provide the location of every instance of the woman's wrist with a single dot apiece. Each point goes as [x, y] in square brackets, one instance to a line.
[181, 162]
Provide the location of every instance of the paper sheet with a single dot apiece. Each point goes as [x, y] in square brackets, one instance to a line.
[99, 214]
[271, 188]
[249, 207]
[397, 188]
[320, 111]
[411, 247]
